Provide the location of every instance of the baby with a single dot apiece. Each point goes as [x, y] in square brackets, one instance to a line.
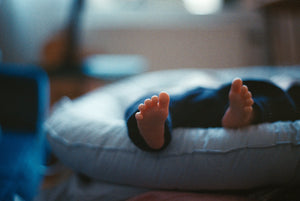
[231, 106]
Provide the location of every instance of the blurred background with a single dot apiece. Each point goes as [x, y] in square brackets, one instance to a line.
[86, 44]
[116, 38]
[170, 34]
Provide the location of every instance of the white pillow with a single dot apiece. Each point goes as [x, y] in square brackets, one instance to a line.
[90, 136]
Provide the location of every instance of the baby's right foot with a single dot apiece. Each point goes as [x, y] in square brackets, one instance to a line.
[151, 119]
[240, 111]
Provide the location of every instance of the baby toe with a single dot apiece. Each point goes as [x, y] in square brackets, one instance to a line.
[249, 102]
[154, 100]
[248, 109]
[163, 99]
[148, 102]
[236, 85]
[244, 90]
[248, 95]
[141, 107]
[139, 116]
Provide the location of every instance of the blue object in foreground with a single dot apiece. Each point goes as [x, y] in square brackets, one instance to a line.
[24, 104]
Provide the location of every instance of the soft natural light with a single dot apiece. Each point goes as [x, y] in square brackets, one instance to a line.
[102, 5]
[202, 7]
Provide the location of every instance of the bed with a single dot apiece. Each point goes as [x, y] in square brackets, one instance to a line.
[89, 136]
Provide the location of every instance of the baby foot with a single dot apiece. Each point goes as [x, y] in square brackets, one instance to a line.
[151, 119]
[240, 110]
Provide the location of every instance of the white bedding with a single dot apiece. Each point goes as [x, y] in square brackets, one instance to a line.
[89, 135]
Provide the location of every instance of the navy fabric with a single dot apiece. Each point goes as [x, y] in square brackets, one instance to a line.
[205, 107]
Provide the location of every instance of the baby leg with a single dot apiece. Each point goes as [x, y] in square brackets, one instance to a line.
[151, 119]
[240, 111]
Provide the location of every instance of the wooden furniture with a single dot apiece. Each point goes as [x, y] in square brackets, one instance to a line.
[72, 86]
[282, 22]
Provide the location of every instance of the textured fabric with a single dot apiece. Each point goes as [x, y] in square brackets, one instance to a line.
[205, 107]
[90, 136]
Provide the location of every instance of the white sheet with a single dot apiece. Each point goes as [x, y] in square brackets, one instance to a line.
[89, 135]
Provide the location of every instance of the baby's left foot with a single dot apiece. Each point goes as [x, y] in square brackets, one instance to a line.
[240, 111]
[151, 119]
